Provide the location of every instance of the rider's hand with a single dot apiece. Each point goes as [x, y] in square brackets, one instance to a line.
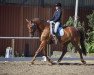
[48, 21]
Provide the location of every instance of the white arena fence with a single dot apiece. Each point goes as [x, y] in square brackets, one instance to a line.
[23, 38]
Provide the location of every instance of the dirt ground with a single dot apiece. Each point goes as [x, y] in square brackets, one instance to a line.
[45, 68]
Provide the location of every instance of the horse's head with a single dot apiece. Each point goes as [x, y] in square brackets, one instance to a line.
[31, 27]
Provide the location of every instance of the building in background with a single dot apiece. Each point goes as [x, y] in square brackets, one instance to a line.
[14, 12]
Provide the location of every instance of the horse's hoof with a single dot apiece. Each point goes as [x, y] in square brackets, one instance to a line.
[32, 63]
[57, 63]
[53, 63]
[84, 62]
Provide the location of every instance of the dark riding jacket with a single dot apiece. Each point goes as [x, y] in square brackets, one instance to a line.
[57, 16]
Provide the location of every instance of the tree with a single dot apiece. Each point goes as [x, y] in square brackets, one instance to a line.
[90, 33]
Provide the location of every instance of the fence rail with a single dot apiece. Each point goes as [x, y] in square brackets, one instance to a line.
[13, 42]
[19, 37]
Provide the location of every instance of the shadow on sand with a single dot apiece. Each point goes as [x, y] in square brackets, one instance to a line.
[87, 64]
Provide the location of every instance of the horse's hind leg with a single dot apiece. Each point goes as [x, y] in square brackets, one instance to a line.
[80, 52]
[64, 50]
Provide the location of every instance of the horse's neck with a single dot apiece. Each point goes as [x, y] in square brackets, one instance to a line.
[41, 25]
[41, 28]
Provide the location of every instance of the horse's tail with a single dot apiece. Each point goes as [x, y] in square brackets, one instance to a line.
[82, 39]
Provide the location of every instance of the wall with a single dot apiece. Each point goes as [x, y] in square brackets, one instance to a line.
[12, 23]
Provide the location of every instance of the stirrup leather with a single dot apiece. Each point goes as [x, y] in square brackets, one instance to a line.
[55, 39]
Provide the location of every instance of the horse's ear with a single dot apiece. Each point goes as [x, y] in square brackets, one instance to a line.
[27, 20]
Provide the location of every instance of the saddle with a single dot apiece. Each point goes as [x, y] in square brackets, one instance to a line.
[60, 30]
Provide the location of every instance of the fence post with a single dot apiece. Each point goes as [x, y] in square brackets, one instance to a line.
[13, 46]
[76, 13]
[48, 50]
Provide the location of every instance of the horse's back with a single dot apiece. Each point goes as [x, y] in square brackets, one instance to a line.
[71, 32]
[70, 29]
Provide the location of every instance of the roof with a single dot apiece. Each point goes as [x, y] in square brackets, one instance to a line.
[82, 3]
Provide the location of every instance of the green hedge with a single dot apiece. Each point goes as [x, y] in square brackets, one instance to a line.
[90, 32]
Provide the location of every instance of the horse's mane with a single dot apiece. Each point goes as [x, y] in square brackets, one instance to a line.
[40, 21]
[36, 20]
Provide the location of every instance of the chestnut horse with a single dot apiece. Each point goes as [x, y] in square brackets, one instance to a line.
[71, 34]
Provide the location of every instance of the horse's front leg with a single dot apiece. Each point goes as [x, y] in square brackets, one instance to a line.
[41, 47]
[48, 58]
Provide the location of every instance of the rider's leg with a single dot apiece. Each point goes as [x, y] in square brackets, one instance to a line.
[51, 30]
[56, 26]
[55, 30]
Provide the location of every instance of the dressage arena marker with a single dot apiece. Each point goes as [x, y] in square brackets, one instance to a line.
[13, 42]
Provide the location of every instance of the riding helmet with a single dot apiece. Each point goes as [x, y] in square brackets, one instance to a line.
[58, 4]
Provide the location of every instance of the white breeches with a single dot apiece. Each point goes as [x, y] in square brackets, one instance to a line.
[56, 27]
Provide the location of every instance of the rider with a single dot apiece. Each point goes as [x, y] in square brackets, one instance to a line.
[55, 21]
